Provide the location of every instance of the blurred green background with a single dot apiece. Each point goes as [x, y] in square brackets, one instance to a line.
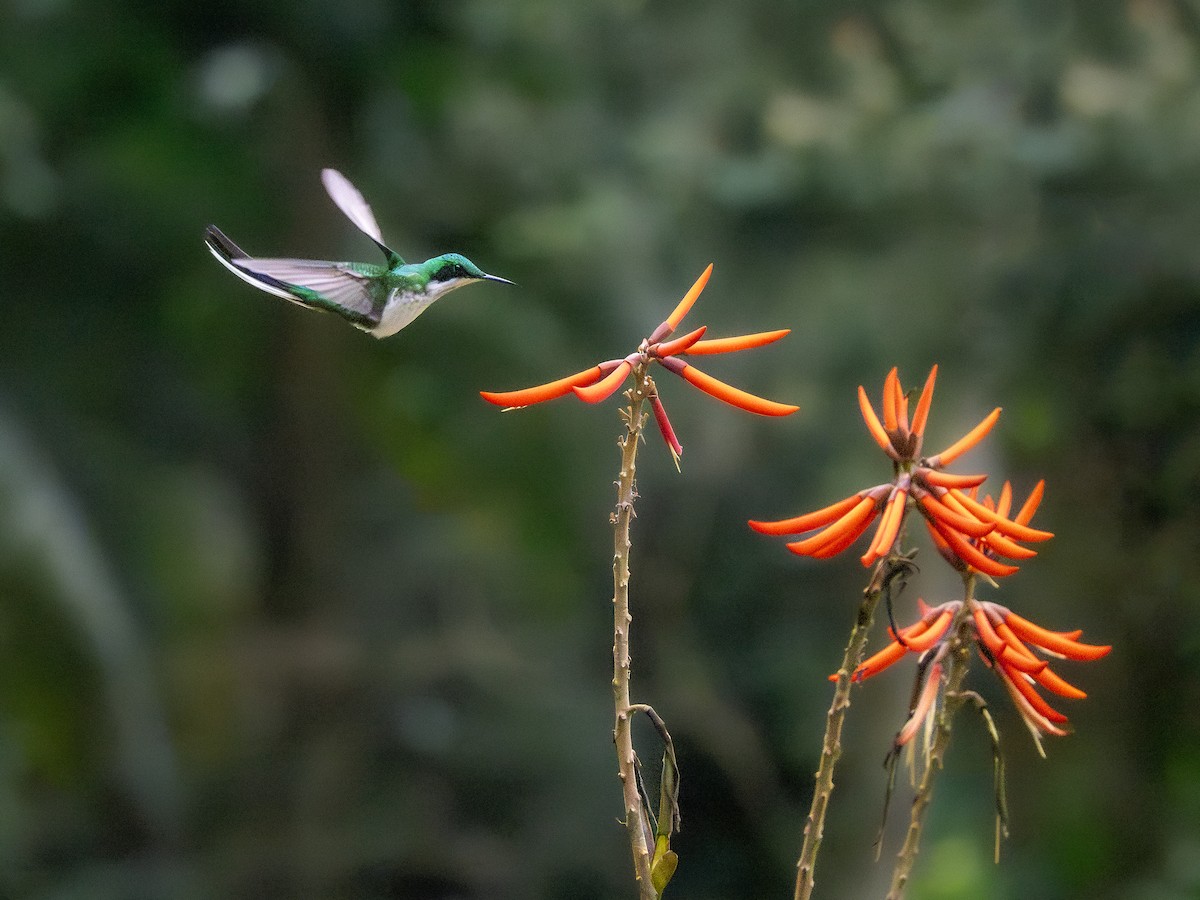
[289, 613]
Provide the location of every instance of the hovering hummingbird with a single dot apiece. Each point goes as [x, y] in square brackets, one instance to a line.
[380, 299]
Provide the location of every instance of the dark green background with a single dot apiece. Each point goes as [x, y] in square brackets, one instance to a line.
[289, 613]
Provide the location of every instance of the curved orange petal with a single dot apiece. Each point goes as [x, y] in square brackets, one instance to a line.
[1031, 504]
[873, 424]
[1009, 549]
[891, 402]
[1055, 643]
[1036, 700]
[733, 396]
[680, 344]
[949, 480]
[808, 521]
[853, 523]
[967, 525]
[970, 555]
[689, 298]
[967, 441]
[1006, 526]
[889, 527]
[936, 628]
[923, 403]
[542, 392]
[924, 705]
[606, 386]
[1051, 682]
[731, 344]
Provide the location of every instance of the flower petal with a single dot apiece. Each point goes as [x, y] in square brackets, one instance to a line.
[1055, 643]
[873, 424]
[680, 344]
[947, 479]
[923, 403]
[971, 556]
[968, 525]
[853, 523]
[924, 704]
[689, 298]
[966, 442]
[733, 396]
[732, 344]
[891, 400]
[808, 521]
[889, 528]
[665, 428]
[1031, 504]
[605, 387]
[1005, 526]
[542, 392]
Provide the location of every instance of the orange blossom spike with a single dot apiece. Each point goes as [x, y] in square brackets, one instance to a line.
[733, 396]
[730, 344]
[542, 392]
[689, 298]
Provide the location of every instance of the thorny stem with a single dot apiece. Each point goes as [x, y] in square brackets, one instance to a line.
[952, 699]
[641, 837]
[887, 571]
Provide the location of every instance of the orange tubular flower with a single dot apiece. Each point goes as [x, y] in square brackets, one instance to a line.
[969, 534]
[1006, 642]
[601, 381]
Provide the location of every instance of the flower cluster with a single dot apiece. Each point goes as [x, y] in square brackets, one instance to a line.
[601, 381]
[970, 534]
[1006, 642]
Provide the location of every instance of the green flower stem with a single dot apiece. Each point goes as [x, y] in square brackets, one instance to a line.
[831, 747]
[952, 699]
[640, 835]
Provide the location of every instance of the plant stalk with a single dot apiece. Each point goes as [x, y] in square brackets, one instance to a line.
[640, 834]
[831, 746]
[952, 699]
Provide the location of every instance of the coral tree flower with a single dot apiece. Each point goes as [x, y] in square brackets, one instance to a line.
[1006, 642]
[970, 535]
[601, 381]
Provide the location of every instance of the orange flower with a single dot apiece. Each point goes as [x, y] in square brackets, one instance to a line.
[1006, 642]
[969, 534]
[603, 380]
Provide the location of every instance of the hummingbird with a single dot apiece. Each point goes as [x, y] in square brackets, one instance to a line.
[379, 299]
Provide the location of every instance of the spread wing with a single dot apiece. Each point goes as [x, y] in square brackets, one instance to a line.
[350, 201]
[317, 284]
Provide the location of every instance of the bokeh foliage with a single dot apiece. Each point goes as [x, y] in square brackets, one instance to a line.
[285, 612]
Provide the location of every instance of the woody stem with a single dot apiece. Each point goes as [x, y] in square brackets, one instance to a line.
[831, 746]
[952, 699]
[640, 836]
